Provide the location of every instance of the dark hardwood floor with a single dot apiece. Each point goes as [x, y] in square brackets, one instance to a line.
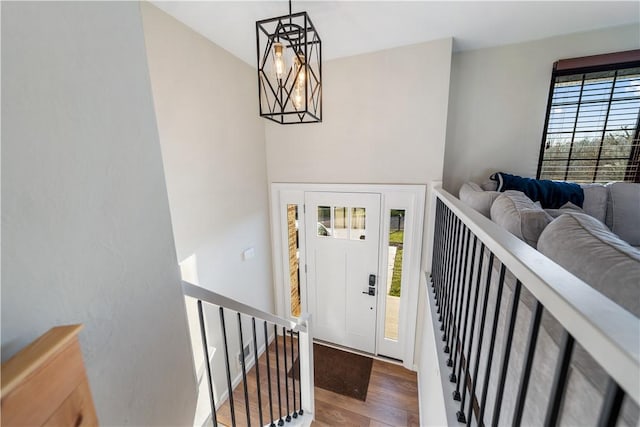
[392, 398]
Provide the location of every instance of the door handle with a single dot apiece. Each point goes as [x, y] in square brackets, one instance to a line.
[371, 291]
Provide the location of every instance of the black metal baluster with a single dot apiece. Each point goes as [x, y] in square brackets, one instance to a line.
[461, 285]
[435, 264]
[456, 393]
[293, 374]
[441, 267]
[226, 363]
[559, 380]
[438, 250]
[447, 269]
[451, 286]
[467, 283]
[438, 234]
[280, 420]
[450, 296]
[446, 252]
[460, 415]
[286, 371]
[301, 411]
[207, 363]
[506, 351]
[244, 372]
[445, 257]
[266, 349]
[255, 358]
[455, 273]
[528, 363]
[611, 405]
[455, 292]
[492, 344]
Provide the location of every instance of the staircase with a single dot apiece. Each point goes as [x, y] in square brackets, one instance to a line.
[275, 391]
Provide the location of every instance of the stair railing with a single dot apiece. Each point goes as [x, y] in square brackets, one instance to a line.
[277, 395]
[479, 272]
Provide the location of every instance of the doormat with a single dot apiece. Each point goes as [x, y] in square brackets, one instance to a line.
[339, 371]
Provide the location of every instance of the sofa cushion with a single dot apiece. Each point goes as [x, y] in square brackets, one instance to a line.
[585, 247]
[623, 211]
[567, 207]
[472, 195]
[595, 200]
[519, 215]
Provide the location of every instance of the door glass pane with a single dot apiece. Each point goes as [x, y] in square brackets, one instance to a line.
[324, 221]
[394, 275]
[358, 223]
[340, 222]
[294, 258]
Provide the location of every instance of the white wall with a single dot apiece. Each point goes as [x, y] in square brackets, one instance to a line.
[85, 217]
[214, 158]
[384, 121]
[499, 97]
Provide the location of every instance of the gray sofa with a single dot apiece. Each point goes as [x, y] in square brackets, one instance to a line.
[615, 204]
[597, 243]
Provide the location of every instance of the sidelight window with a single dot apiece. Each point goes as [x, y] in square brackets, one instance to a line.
[293, 237]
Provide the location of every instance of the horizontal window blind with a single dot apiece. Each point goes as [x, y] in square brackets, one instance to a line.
[591, 129]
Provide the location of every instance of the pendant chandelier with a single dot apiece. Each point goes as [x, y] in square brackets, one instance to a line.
[289, 69]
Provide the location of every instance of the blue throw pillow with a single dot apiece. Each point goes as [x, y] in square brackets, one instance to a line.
[550, 194]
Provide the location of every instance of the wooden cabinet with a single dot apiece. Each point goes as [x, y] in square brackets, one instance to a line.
[45, 384]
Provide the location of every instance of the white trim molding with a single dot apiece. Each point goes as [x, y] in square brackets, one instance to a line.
[410, 197]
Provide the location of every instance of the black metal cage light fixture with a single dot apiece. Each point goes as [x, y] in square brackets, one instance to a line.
[289, 69]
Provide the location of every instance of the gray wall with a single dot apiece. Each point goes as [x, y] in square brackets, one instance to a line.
[498, 102]
[86, 232]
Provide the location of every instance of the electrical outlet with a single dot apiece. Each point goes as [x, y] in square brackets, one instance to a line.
[246, 350]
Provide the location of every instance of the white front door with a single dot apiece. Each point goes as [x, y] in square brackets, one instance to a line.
[343, 239]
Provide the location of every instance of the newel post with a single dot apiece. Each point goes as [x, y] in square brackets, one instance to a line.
[306, 364]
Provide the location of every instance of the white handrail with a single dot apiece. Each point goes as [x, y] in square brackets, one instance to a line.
[608, 332]
[206, 295]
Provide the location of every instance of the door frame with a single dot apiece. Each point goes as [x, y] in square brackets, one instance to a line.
[413, 197]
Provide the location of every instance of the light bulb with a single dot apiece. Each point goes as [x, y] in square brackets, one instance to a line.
[278, 59]
[299, 69]
[297, 97]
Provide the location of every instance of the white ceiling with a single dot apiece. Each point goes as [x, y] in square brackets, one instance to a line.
[353, 27]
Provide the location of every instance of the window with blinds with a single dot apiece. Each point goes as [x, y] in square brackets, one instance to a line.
[591, 128]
